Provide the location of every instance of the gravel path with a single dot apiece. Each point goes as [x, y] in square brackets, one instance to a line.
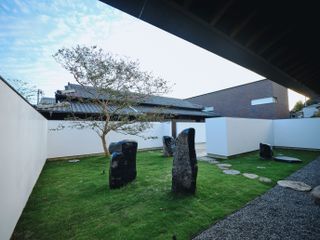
[280, 213]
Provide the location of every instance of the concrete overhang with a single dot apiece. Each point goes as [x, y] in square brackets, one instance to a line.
[276, 39]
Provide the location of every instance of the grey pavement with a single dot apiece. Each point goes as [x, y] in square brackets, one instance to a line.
[281, 213]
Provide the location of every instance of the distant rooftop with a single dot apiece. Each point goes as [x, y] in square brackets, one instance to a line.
[89, 93]
[171, 107]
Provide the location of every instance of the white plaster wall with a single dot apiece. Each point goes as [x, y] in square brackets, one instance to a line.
[216, 136]
[23, 152]
[71, 141]
[230, 136]
[297, 133]
[245, 134]
[200, 128]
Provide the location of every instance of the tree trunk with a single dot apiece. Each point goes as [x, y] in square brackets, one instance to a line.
[105, 147]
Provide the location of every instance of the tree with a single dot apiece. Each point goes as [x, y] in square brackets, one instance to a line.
[115, 85]
[28, 91]
[298, 106]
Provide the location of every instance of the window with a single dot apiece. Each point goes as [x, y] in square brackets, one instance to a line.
[260, 101]
[208, 109]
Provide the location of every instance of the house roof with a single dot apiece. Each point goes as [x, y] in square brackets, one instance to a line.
[89, 93]
[50, 105]
[172, 107]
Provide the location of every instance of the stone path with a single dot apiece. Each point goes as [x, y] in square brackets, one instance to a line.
[281, 213]
[295, 185]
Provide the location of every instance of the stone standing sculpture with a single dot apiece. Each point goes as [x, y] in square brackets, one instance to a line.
[265, 151]
[123, 163]
[168, 146]
[185, 169]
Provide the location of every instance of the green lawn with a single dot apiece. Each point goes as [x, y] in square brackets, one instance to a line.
[73, 201]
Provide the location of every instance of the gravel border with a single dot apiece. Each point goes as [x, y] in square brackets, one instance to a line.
[280, 213]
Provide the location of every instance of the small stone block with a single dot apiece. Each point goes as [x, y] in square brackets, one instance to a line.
[231, 172]
[250, 175]
[74, 161]
[265, 180]
[295, 185]
[287, 159]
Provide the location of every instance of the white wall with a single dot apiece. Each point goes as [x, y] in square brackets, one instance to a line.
[298, 133]
[23, 152]
[71, 141]
[216, 136]
[200, 128]
[230, 136]
[244, 134]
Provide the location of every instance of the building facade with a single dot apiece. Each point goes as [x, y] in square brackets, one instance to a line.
[261, 99]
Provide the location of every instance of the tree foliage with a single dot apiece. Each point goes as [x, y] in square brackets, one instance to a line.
[116, 85]
[28, 91]
[298, 106]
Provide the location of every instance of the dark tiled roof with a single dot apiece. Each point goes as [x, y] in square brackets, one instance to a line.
[47, 101]
[88, 92]
[91, 108]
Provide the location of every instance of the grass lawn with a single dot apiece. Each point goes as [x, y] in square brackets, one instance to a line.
[73, 201]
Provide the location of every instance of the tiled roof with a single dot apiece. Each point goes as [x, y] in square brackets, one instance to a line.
[89, 92]
[91, 108]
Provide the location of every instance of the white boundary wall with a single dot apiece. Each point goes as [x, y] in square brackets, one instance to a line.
[23, 152]
[72, 141]
[200, 128]
[230, 136]
[297, 133]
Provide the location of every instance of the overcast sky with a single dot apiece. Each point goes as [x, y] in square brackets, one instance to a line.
[32, 31]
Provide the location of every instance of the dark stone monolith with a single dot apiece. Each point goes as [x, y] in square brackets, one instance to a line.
[168, 146]
[123, 163]
[185, 169]
[265, 151]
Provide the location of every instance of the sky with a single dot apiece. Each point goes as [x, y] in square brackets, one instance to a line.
[31, 31]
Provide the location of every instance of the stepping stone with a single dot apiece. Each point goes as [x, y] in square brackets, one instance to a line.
[315, 194]
[224, 166]
[250, 175]
[295, 185]
[261, 167]
[208, 159]
[231, 172]
[265, 180]
[74, 161]
[287, 159]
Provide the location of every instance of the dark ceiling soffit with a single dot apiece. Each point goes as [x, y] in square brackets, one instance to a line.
[172, 19]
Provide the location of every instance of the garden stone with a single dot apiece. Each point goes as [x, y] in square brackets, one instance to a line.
[265, 180]
[250, 175]
[114, 147]
[231, 172]
[315, 194]
[261, 167]
[185, 169]
[287, 159]
[295, 185]
[123, 163]
[74, 161]
[208, 159]
[265, 151]
[224, 166]
[168, 146]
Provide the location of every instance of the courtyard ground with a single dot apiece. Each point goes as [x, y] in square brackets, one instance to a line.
[73, 201]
